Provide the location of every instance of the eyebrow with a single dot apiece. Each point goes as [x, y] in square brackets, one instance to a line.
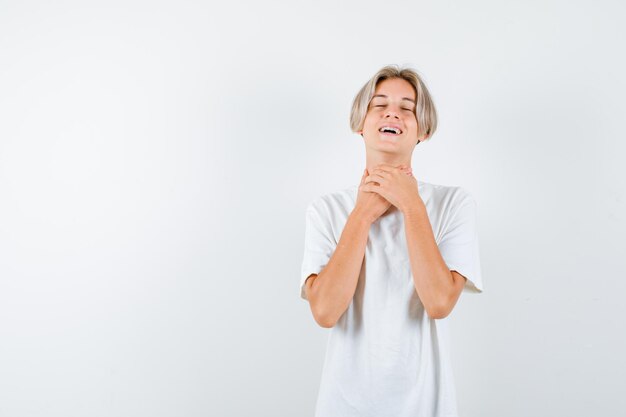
[403, 98]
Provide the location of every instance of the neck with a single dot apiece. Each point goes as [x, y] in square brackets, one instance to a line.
[371, 161]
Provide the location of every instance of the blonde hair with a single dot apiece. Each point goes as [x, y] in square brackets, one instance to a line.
[425, 112]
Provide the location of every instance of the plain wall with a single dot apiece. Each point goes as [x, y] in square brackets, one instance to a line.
[156, 159]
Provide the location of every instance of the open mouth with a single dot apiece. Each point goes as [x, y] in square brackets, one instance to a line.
[389, 130]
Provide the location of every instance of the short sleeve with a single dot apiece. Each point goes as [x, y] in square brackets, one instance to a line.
[319, 245]
[459, 245]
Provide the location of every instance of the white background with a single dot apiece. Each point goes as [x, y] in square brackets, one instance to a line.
[156, 159]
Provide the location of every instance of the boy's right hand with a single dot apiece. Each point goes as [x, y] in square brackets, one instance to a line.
[370, 204]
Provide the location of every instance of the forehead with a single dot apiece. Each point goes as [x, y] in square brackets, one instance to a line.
[397, 87]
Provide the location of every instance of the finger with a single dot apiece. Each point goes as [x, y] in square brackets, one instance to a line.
[371, 183]
[368, 188]
[371, 188]
[375, 177]
[381, 172]
[385, 175]
[368, 180]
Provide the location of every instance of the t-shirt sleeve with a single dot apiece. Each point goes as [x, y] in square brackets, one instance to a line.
[319, 245]
[459, 245]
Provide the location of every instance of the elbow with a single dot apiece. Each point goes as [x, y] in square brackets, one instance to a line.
[322, 318]
[325, 322]
[440, 307]
[438, 312]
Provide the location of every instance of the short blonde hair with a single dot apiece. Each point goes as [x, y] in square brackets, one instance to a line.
[425, 112]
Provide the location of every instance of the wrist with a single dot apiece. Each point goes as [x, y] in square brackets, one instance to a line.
[413, 206]
[360, 217]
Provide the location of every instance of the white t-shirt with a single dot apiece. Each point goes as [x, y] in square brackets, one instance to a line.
[385, 356]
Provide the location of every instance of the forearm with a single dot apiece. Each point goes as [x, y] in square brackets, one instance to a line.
[334, 287]
[431, 276]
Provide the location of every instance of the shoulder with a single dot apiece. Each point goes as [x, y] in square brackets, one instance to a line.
[446, 198]
[340, 200]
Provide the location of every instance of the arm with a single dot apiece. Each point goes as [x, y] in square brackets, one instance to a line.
[437, 286]
[331, 291]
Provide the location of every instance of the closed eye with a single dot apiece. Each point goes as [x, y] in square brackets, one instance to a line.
[384, 105]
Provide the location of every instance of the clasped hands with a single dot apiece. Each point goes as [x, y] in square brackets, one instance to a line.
[397, 185]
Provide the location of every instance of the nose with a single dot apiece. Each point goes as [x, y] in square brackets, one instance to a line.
[391, 113]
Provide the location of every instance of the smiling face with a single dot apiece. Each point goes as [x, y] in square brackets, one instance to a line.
[390, 124]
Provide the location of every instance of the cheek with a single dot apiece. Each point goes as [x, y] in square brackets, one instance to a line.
[369, 122]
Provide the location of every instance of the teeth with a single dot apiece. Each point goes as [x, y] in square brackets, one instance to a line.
[395, 130]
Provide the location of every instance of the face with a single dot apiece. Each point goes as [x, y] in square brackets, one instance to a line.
[390, 124]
